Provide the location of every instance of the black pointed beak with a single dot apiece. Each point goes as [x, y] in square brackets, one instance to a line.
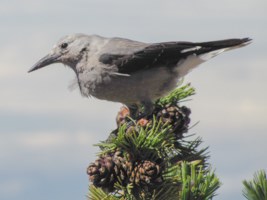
[45, 61]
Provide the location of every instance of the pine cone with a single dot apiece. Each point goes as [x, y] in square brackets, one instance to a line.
[122, 168]
[177, 117]
[171, 114]
[101, 172]
[122, 115]
[108, 169]
[146, 173]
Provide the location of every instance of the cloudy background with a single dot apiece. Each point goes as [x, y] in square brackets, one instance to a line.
[47, 132]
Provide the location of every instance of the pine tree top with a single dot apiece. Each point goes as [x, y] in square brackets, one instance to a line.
[154, 160]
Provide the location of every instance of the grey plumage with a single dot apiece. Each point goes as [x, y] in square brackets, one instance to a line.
[131, 72]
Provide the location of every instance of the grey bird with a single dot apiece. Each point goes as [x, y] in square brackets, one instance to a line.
[131, 72]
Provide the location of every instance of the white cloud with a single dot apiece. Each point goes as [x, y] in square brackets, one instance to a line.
[12, 188]
[48, 140]
[47, 152]
[43, 140]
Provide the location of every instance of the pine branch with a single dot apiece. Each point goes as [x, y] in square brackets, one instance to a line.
[152, 142]
[154, 160]
[177, 95]
[98, 194]
[257, 188]
[197, 183]
[189, 151]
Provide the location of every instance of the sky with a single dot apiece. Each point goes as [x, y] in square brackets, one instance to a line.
[47, 132]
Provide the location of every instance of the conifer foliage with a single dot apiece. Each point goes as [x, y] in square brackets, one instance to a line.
[256, 189]
[153, 158]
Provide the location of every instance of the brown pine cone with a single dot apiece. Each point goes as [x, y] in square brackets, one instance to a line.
[101, 172]
[177, 117]
[146, 173]
[122, 167]
[108, 169]
[171, 114]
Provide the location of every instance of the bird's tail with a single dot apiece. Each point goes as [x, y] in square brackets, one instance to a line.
[226, 43]
[214, 48]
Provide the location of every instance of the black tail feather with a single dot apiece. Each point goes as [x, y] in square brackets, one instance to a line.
[225, 43]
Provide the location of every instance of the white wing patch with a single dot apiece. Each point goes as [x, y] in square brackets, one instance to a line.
[120, 74]
[211, 54]
[191, 49]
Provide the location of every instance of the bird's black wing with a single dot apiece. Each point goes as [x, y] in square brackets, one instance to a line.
[164, 54]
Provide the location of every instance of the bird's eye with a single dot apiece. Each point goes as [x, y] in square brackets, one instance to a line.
[64, 45]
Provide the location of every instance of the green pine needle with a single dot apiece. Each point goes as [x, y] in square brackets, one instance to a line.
[197, 183]
[190, 180]
[257, 188]
[167, 191]
[157, 138]
[177, 95]
[189, 150]
[98, 194]
[151, 142]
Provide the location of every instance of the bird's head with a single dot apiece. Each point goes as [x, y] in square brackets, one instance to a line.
[69, 50]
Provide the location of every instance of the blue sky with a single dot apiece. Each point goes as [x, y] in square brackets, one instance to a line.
[47, 132]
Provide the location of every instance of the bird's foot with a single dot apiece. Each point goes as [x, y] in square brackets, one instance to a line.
[122, 116]
[133, 125]
[142, 122]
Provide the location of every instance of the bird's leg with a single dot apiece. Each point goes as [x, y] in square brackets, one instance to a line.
[148, 108]
[133, 108]
[134, 112]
